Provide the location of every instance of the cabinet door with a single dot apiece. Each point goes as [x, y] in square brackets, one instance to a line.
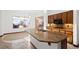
[64, 17]
[55, 16]
[59, 16]
[52, 18]
[70, 17]
[49, 19]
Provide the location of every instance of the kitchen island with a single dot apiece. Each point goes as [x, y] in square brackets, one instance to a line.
[47, 40]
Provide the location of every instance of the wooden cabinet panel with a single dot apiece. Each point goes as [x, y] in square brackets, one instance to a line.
[64, 17]
[50, 19]
[67, 17]
[59, 16]
[70, 17]
[55, 16]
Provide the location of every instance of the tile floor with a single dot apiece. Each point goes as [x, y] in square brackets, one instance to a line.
[22, 39]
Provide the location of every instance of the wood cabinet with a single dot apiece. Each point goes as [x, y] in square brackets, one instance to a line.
[50, 19]
[55, 16]
[64, 17]
[67, 17]
[59, 16]
[70, 17]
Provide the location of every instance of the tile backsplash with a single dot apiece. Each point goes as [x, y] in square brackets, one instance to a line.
[70, 26]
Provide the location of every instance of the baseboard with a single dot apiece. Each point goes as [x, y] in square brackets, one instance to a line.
[74, 45]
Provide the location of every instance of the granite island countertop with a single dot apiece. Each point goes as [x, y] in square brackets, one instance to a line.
[45, 36]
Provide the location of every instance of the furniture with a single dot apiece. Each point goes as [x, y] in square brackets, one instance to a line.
[67, 17]
[48, 40]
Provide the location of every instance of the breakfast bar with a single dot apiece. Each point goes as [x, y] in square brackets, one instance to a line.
[47, 40]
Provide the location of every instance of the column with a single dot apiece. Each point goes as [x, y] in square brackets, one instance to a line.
[45, 19]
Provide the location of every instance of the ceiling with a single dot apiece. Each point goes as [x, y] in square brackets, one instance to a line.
[55, 11]
[32, 12]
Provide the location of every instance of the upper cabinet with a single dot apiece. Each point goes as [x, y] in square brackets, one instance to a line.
[59, 16]
[70, 17]
[64, 17]
[50, 19]
[67, 17]
[55, 16]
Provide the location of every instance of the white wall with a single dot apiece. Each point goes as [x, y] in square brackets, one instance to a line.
[1, 23]
[78, 26]
[7, 15]
[7, 20]
[75, 40]
[45, 19]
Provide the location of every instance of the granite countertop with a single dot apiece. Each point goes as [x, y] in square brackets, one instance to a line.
[52, 37]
